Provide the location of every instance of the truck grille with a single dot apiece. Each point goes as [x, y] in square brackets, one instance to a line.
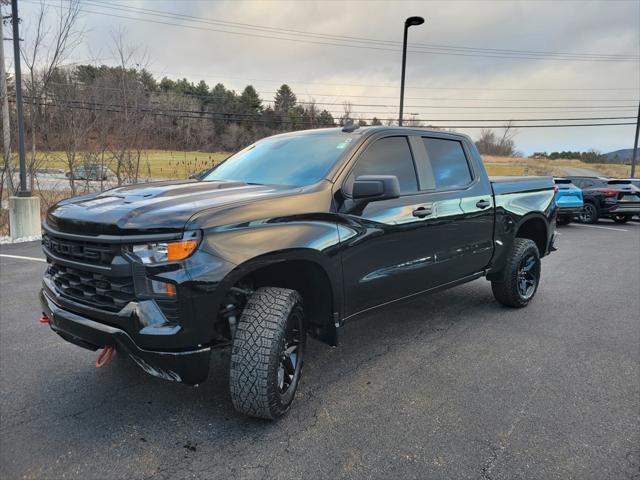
[93, 289]
[80, 251]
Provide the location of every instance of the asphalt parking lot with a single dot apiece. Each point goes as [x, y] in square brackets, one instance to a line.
[450, 385]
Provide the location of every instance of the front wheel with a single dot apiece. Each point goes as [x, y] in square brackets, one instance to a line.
[521, 275]
[621, 218]
[267, 353]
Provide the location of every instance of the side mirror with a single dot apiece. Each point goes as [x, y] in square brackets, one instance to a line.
[376, 187]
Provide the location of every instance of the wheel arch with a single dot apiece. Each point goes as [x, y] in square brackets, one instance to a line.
[534, 227]
[311, 273]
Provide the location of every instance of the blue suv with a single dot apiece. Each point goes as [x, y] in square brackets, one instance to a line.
[568, 200]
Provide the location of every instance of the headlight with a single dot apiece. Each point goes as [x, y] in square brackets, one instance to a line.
[162, 252]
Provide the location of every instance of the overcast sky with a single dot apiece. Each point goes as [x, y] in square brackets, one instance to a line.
[368, 73]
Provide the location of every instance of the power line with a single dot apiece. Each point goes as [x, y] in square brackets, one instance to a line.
[231, 117]
[428, 115]
[315, 94]
[298, 33]
[348, 45]
[104, 4]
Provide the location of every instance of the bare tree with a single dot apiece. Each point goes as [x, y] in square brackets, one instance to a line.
[7, 171]
[54, 39]
[490, 144]
[132, 103]
[348, 108]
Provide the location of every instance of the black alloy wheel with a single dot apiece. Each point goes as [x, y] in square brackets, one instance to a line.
[589, 213]
[527, 276]
[291, 354]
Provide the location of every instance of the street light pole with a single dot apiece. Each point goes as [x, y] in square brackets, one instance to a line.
[407, 23]
[23, 192]
[635, 146]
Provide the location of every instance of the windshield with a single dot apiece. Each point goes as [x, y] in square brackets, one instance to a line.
[296, 160]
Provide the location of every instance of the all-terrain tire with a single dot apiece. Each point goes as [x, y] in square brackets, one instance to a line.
[257, 352]
[507, 290]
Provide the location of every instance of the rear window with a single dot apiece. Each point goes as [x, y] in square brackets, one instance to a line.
[619, 182]
[562, 181]
[448, 162]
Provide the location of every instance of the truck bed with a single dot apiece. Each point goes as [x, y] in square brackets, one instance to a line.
[504, 185]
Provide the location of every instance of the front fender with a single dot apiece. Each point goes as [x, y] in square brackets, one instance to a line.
[252, 246]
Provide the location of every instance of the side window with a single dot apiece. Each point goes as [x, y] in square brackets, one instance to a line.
[387, 156]
[448, 162]
[587, 183]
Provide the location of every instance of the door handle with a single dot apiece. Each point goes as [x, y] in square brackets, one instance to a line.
[421, 212]
[483, 203]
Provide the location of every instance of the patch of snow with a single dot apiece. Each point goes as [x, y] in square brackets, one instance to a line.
[7, 239]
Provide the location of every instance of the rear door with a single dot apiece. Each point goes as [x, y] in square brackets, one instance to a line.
[462, 219]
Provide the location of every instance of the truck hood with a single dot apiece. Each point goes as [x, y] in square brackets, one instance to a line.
[152, 208]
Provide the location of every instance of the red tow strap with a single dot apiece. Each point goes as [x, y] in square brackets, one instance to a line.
[43, 319]
[104, 356]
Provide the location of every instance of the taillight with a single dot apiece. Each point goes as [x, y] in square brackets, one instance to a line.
[607, 192]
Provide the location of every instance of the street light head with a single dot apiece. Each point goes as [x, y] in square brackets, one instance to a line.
[411, 21]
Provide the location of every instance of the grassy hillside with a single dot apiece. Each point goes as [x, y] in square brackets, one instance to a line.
[153, 163]
[531, 166]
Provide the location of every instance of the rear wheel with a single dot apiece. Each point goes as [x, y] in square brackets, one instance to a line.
[267, 353]
[621, 218]
[589, 213]
[521, 275]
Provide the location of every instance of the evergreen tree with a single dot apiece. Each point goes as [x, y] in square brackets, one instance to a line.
[284, 100]
[250, 101]
[201, 90]
[167, 85]
[325, 119]
[148, 82]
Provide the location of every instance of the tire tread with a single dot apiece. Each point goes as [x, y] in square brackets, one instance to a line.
[256, 349]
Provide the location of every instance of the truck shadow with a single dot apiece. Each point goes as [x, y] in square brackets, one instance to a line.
[370, 336]
[124, 404]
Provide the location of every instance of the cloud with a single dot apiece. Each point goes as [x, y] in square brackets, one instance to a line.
[327, 72]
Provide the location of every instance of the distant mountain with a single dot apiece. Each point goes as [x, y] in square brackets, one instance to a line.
[620, 156]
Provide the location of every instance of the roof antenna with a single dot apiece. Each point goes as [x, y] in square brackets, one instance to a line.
[350, 126]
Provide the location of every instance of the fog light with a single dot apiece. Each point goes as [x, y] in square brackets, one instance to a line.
[163, 288]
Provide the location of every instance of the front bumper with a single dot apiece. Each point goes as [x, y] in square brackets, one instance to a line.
[191, 367]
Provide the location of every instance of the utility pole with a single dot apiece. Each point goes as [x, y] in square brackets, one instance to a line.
[635, 146]
[6, 125]
[24, 210]
[23, 192]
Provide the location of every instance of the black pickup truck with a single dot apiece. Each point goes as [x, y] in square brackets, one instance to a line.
[294, 235]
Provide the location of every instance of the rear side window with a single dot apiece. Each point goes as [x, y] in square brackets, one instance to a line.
[388, 156]
[448, 162]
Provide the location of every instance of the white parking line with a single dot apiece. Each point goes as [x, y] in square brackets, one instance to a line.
[20, 257]
[597, 226]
